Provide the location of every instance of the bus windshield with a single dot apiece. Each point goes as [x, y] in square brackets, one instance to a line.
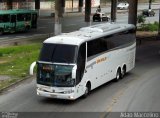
[58, 53]
[55, 75]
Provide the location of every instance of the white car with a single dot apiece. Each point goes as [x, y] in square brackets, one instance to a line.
[122, 6]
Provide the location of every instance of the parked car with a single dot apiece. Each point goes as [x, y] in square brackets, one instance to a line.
[122, 6]
[148, 12]
[98, 16]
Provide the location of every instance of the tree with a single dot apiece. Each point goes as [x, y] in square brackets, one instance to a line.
[141, 19]
[150, 3]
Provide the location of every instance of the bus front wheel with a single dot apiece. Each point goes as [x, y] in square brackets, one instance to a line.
[87, 90]
[27, 28]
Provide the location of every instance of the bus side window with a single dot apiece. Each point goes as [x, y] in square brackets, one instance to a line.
[20, 17]
[13, 18]
[34, 21]
[103, 45]
[27, 17]
[1, 19]
[6, 18]
[110, 42]
[81, 62]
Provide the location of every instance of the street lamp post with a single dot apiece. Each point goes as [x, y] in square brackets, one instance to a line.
[159, 25]
[113, 10]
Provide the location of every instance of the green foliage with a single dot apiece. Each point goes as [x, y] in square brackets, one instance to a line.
[141, 19]
[17, 59]
[1, 54]
[149, 27]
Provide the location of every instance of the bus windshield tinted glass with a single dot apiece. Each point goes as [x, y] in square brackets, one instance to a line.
[55, 75]
[58, 53]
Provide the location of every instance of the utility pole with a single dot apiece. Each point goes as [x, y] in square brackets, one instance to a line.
[113, 10]
[37, 6]
[58, 17]
[87, 11]
[150, 2]
[72, 5]
[132, 19]
[80, 6]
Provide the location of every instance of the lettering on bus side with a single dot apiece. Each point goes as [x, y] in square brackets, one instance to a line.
[101, 60]
[97, 62]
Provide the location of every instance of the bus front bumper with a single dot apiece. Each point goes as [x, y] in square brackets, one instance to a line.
[56, 95]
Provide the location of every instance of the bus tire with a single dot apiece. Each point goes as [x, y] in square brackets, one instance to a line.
[1, 31]
[27, 28]
[87, 90]
[118, 75]
[12, 31]
[123, 73]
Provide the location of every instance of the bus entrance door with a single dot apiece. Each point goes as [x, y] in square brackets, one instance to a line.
[13, 23]
[34, 21]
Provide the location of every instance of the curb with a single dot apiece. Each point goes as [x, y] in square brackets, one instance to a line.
[13, 84]
[16, 41]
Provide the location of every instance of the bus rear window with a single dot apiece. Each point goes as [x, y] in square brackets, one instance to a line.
[58, 53]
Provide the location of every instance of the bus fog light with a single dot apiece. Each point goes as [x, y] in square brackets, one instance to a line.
[38, 93]
[71, 97]
[39, 89]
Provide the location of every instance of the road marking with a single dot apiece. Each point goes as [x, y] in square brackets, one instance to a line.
[70, 25]
[4, 38]
[41, 27]
[114, 100]
[20, 36]
[37, 34]
[51, 23]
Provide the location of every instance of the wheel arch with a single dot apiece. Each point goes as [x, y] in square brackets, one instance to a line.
[124, 66]
[88, 83]
[118, 67]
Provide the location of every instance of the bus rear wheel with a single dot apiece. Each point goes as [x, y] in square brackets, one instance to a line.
[118, 75]
[12, 31]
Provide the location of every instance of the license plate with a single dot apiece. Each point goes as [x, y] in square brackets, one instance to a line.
[54, 96]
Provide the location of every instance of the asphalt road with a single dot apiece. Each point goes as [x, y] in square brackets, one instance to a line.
[138, 91]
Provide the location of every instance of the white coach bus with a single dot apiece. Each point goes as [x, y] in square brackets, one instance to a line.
[71, 65]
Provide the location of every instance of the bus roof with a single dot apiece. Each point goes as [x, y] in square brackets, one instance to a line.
[88, 33]
[15, 11]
